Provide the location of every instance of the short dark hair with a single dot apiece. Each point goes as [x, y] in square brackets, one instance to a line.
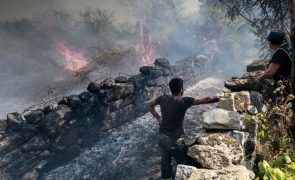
[276, 37]
[176, 85]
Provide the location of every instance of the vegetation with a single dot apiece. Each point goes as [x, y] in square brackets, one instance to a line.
[275, 152]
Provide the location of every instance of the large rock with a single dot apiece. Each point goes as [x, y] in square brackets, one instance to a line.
[14, 121]
[222, 119]
[36, 143]
[256, 100]
[162, 62]
[233, 146]
[54, 121]
[245, 84]
[183, 172]
[258, 65]
[210, 157]
[120, 90]
[107, 84]
[93, 87]
[242, 100]
[151, 71]
[230, 173]
[34, 116]
[227, 103]
[121, 79]
[84, 96]
[74, 101]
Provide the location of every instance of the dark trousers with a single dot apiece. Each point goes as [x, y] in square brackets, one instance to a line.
[170, 148]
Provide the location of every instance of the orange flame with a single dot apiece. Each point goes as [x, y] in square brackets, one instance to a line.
[145, 47]
[74, 60]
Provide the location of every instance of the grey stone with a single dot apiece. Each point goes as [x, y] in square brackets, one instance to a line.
[258, 65]
[14, 121]
[10, 157]
[230, 173]
[121, 79]
[107, 84]
[120, 90]
[231, 145]
[36, 143]
[93, 87]
[246, 84]
[256, 100]
[162, 62]
[183, 172]
[84, 96]
[74, 101]
[34, 116]
[222, 119]
[54, 121]
[210, 157]
[242, 100]
[151, 71]
[32, 175]
[227, 104]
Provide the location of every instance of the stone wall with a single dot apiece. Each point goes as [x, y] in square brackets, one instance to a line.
[46, 136]
[226, 148]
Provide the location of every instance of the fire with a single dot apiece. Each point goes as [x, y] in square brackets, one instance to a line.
[145, 47]
[74, 60]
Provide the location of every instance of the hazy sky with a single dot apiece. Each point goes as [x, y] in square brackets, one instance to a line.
[10, 9]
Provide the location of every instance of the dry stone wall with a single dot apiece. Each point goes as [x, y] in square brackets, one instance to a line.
[45, 137]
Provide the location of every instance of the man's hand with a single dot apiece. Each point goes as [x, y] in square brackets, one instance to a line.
[150, 105]
[159, 121]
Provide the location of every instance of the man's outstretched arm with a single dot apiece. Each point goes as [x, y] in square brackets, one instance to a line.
[150, 105]
[206, 100]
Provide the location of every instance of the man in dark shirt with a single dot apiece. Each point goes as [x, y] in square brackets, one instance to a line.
[280, 64]
[173, 108]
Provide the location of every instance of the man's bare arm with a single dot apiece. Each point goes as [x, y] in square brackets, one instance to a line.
[206, 100]
[271, 70]
[150, 105]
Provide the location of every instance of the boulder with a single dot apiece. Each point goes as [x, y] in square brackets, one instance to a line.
[14, 121]
[242, 100]
[34, 116]
[74, 101]
[232, 172]
[54, 121]
[183, 172]
[162, 62]
[32, 175]
[93, 87]
[84, 96]
[36, 143]
[210, 157]
[121, 79]
[48, 109]
[258, 65]
[118, 91]
[222, 119]
[107, 84]
[233, 146]
[10, 157]
[256, 100]
[151, 71]
[245, 84]
[227, 103]
[239, 135]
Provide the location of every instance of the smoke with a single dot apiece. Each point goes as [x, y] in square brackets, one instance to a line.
[31, 64]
